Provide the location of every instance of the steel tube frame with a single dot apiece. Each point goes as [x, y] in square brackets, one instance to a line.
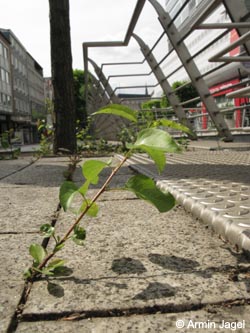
[166, 87]
[176, 41]
[104, 82]
[233, 45]
[193, 71]
[231, 25]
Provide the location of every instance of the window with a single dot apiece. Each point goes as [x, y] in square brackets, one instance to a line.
[1, 49]
[3, 75]
[7, 77]
[8, 100]
[191, 5]
[5, 52]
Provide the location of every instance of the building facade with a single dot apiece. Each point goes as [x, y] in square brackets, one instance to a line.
[6, 97]
[27, 99]
[36, 94]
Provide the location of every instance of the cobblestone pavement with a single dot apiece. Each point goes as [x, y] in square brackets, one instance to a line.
[140, 271]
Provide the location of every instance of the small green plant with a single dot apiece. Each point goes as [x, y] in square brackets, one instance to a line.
[184, 143]
[46, 133]
[152, 140]
[7, 144]
[74, 160]
[88, 145]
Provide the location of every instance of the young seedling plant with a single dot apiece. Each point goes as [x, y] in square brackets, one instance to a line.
[151, 140]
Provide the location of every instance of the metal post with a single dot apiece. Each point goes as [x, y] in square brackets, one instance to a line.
[114, 99]
[239, 12]
[238, 42]
[192, 70]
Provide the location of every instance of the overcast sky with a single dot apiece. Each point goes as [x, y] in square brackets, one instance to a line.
[91, 20]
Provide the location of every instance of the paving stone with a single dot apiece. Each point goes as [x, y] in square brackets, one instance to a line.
[15, 255]
[9, 166]
[209, 320]
[14, 260]
[136, 257]
[44, 173]
[26, 208]
[10, 296]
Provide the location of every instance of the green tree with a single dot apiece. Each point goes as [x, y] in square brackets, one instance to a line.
[62, 76]
[186, 93]
[164, 102]
[154, 103]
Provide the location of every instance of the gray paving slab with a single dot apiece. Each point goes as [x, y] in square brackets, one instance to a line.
[211, 320]
[25, 208]
[14, 260]
[135, 257]
[46, 172]
[9, 166]
[214, 186]
[135, 260]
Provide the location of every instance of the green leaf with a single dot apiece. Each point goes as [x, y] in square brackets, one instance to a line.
[145, 188]
[58, 247]
[37, 252]
[51, 268]
[68, 190]
[5, 144]
[155, 143]
[92, 211]
[172, 124]
[119, 110]
[84, 188]
[91, 170]
[46, 271]
[157, 156]
[47, 230]
[27, 273]
[55, 263]
[156, 139]
[79, 235]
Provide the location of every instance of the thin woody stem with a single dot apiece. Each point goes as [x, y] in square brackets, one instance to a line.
[94, 199]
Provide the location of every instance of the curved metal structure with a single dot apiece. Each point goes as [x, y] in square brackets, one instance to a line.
[207, 108]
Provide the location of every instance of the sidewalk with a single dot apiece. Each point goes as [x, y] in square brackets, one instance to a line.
[140, 271]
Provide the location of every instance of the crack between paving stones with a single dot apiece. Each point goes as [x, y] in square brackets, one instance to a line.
[125, 312]
[122, 199]
[18, 233]
[19, 317]
[231, 271]
[18, 313]
[28, 284]
[19, 170]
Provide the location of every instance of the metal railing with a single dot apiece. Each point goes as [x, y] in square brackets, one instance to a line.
[220, 77]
